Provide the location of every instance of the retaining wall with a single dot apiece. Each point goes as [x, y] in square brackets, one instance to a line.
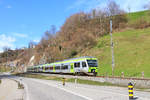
[140, 83]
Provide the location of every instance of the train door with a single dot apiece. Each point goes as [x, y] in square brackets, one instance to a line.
[72, 68]
[77, 66]
[84, 66]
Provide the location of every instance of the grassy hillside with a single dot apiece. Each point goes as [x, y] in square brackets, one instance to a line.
[133, 17]
[136, 15]
[131, 50]
[132, 53]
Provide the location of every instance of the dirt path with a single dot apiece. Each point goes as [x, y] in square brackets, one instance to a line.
[9, 90]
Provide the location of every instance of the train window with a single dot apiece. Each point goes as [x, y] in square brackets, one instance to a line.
[77, 64]
[92, 63]
[51, 68]
[64, 67]
[57, 67]
[83, 64]
[46, 68]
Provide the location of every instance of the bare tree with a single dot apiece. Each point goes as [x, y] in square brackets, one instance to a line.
[50, 33]
[53, 29]
[31, 44]
[129, 9]
[113, 8]
[94, 13]
[5, 49]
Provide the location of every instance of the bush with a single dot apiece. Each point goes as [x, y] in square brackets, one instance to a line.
[119, 21]
[73, 53]
[101, 44]
[140, 24]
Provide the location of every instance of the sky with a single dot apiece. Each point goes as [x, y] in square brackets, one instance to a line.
[22, 21]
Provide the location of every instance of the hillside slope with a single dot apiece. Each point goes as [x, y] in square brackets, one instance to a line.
[134, 16]
[131, 50]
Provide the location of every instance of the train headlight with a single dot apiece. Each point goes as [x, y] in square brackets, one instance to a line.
[93, 70]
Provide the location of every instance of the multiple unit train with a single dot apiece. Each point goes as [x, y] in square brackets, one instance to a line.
[83, 65]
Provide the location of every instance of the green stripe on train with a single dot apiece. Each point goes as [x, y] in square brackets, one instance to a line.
[91, 68]
[43, 68]
[54, 68]
[72, 68]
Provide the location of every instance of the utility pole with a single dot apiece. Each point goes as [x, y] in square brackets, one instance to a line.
[112, 48]
[6, 60]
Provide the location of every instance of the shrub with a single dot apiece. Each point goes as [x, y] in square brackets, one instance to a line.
[73, 53]
[140, 24]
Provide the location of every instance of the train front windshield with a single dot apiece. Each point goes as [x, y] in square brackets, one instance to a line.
[92, 63]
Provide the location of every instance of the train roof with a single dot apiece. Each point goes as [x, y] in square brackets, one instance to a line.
[75, 59]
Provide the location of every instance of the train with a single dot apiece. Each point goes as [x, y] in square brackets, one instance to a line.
[82, 65]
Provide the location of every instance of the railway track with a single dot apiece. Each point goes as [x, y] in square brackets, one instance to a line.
[120, 81]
